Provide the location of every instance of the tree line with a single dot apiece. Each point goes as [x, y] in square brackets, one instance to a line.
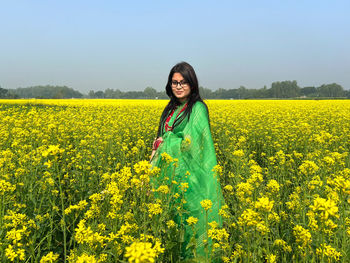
[279, 89]
[41, 92]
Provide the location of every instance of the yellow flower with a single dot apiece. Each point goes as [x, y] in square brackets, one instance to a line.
[302, 235]
[256, 178]
[6, 187]
[249, 218]
[228, 188]
[163, 189]
[271, 258]
[84, 258]
[315, 182]
[218, 235]
[184, 187]
[308, 168]
[218, 170]
[273, 186]
[244, 190]
[103, 258]
[223, 211]
[167, 158]
[140, 252]
[52, 150]
[282, 244]
[80, 206]
[85, 234]
[264, 204]
[225, 259]
[142, 167]
[206, 204]
[329, 252]
[262, 228]
[294, 197]
[15, 235]
[192, 220]
[49, 258]
[154, 209]
[170, 224]
[325, 207]
[238, 153]
[238, 252]
[12, 254]
[312, 221]
[274, 217]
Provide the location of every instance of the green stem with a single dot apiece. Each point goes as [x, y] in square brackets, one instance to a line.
[206, 236]
[2, 210]
[63, 225]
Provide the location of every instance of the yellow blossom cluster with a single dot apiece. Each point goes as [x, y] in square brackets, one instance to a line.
[206, 204]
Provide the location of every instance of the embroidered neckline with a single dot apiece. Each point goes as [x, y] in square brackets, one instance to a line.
[170, 128]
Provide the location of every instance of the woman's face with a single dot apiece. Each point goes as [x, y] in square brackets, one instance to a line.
[180, 87]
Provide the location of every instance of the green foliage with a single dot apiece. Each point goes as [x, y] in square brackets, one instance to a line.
[6, 94]
[284, 89]
[148, 93]
[331, 90]
[279, 89]
[3, 92]
[47, 92]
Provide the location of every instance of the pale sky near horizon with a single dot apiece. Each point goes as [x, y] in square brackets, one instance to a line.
[129, 45]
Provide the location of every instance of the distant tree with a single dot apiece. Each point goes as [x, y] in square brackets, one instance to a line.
[3, 92]
[285, 89]
[219, 93]
[46, 92]
[331, 90]
[150, 93]
[231, 94]
[242, 92]
[260, 93]
[109, 93]
[347, 93]
[162, 95]
[58, 95]
[133, 95]
[205, 93]
[308, 91]
[117, 94]
[99, 94]
[112, 94]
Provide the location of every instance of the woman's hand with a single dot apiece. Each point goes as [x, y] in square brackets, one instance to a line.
[156, 144]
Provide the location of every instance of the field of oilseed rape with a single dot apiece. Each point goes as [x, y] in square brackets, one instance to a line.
[76, 183]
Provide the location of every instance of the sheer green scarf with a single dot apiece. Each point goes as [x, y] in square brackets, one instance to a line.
[192, 145]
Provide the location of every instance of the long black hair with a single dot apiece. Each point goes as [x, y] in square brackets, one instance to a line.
[189, 75]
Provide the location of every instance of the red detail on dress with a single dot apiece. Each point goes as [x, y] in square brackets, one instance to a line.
[167, 127]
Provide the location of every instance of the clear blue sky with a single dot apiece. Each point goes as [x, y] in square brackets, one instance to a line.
[129, 45]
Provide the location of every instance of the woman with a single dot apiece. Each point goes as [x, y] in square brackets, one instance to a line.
[184, 134]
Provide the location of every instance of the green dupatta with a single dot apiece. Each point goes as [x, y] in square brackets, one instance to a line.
[192, 144]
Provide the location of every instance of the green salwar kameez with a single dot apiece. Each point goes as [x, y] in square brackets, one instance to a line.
[192, 144]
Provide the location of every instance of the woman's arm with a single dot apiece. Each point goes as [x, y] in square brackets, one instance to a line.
[155, 146]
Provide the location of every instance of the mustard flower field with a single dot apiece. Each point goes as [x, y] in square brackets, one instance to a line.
[76, 183]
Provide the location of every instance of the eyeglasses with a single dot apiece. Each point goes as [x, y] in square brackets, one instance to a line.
[182, 83]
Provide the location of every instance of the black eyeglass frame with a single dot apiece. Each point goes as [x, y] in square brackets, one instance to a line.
[175, 83]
